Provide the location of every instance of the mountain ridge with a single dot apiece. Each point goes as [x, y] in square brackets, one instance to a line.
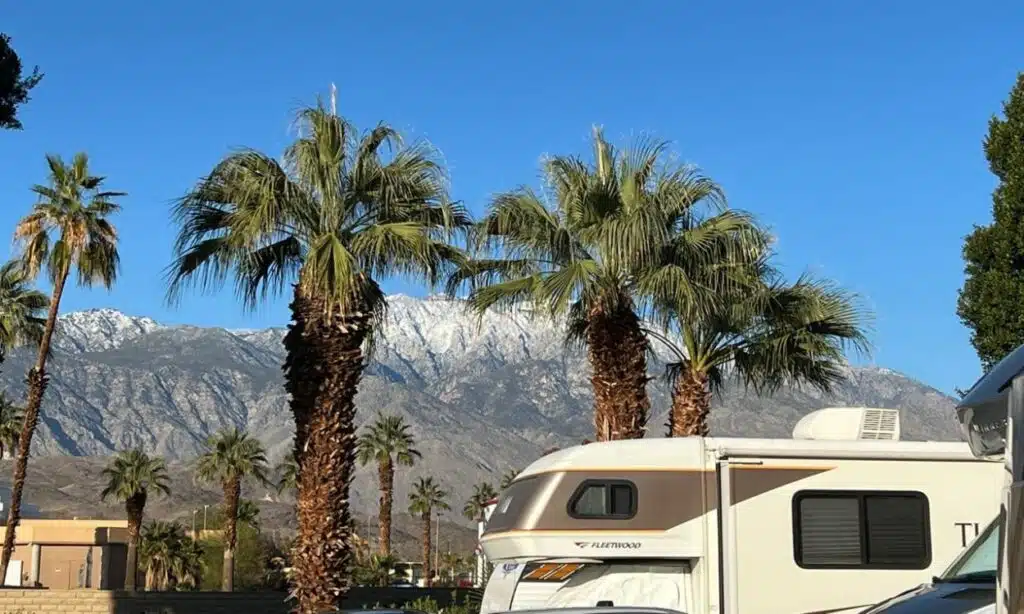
[483, 395]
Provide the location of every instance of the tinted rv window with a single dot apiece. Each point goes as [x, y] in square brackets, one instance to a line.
[847, 530]
[604, 499]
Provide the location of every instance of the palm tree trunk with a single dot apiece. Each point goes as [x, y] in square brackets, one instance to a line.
[427, 573]
[691, 405]
[134, 508]
[386, 476]
[36, 381]
[618, 360]
[232, 493]
[323, 365]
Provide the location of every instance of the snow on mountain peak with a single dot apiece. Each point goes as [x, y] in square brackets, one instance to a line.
[94, 330]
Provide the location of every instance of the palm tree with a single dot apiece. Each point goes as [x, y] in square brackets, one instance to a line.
[249, 514]
[332, 220]
[172, 559]
[453, 564]
[11, 417]
[387, 442]
[619, 230]
[131, 476]
[763, 332]
[21, 308]
[427, 496]
[231, 456]
[506, 479]
[66, 230]
[483, 494]
[288, 474]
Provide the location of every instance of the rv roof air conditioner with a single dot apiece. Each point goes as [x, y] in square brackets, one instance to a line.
[849, 423]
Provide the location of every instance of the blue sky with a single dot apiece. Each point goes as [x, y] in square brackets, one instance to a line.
[853, 128]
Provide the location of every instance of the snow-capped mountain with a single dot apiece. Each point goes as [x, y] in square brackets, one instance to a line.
[483, 394]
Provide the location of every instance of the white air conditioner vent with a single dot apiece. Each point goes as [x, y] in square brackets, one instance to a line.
[849, 423]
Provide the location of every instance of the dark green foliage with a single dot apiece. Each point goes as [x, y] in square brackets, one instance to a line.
[991, 302]
[14, 85]
[254, 554]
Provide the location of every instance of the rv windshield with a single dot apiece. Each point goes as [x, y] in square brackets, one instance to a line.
[979, 562]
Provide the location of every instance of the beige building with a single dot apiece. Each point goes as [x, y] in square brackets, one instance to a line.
[69, 554]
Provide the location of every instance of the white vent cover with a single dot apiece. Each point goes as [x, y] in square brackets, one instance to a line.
[849, 423]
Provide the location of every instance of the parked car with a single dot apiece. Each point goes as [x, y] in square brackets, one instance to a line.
[967, 585]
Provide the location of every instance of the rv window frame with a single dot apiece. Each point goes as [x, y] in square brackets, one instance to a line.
[861, 496]
[608, 483]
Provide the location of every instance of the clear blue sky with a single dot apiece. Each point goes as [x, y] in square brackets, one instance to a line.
[854, 128]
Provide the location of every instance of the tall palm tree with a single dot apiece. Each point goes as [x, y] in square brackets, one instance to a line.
[764, 332]
[387, 442]
[507, 478]
[231, 456]
[21, 308]
[483, 494]
[249, 514]
[426, 497]
[336, 217]
[11, 417]
[131, 476]
[612, 233]
[67, 230]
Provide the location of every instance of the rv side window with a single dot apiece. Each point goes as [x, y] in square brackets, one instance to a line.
[857, 529]
[604, 499]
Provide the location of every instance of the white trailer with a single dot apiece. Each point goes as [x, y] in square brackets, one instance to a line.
[836, 519]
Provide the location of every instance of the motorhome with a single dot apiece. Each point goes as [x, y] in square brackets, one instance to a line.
[835, 519]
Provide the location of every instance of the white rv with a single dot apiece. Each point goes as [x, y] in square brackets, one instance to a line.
[838, 518]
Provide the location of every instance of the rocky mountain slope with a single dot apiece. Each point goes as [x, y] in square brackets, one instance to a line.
[483, 396]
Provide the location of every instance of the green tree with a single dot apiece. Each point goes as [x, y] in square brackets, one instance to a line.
[21, 308]
[253, 553]
[67, 230]
[507, 478]
[172, 559]
[761, 330]
[616, 230]
[388, 443]
[376, 570]
[11, 417]
[991, 302]
[426, 497]
[335, 218]
[15, 86]
[476, 505]
[131, 476]
[287, 474]
[231, 456]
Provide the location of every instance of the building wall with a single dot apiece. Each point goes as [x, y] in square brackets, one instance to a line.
[42, 601]
[119, 602]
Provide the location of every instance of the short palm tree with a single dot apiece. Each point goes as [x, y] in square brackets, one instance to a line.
[21, 309]
[287, 474]
[426, 498]
[11, 418]
[336, 217]
[131, 476]
[231, 456]
[764, 332]
[387, 442]
[507, 478]
[476, 506]
[613, 232]
[66, 231]
[172, 559]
